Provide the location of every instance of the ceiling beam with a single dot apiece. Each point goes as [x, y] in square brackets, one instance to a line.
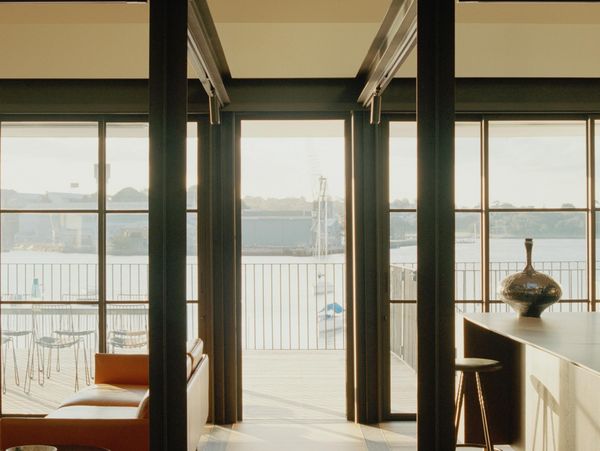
[394, 41]
[206, 53]
[528, 1]
[73, 1]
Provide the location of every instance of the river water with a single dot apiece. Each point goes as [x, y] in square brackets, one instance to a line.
[284, 297]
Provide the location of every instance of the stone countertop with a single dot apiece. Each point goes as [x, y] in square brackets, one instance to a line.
[573, 336]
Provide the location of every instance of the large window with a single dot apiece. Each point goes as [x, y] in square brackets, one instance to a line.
[537, 188]
[74, 261]
[514, 179]
[403, 267]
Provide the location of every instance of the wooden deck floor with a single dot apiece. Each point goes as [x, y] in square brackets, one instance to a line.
[277, 385]
[43, 393]
[310, 385]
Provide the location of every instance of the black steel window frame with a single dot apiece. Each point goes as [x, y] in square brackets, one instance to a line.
[102, 212]
[345, 117]
[485, 302]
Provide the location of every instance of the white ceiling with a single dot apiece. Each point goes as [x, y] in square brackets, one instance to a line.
[296, 39]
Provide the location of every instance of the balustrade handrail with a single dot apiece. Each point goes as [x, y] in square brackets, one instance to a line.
[285, 304]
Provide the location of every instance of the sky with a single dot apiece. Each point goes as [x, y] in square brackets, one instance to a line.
[40, 164]
[286, 158]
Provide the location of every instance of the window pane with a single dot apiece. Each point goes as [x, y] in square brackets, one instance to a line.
[49, 257]
[468, 256]
[468, 165]
[127, 257]
[292, 281]
[597, 159]
[537, 164]
[192, 166]
[127, 166]
[127, 328]
[403, 358]
[403, 256]
[403, 164]
[559, 248]
[597, 255]
[71, 330]
[293, 238]
[192, 320]
[192, 257]
[49, 166]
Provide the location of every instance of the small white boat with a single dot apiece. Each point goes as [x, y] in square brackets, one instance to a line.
[331, 318]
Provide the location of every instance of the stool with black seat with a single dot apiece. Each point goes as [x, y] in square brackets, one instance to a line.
[475, 366]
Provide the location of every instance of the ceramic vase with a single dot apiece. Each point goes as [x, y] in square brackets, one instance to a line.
[529, 292]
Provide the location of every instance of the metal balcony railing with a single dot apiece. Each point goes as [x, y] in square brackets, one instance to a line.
[285, 305]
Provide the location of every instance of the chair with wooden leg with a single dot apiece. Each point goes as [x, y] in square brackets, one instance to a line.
[474, 366]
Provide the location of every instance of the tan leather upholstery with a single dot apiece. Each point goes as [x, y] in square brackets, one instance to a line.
[189, 366]
[194, 350]
[116, 435]
[143, 410]
[122, 369]
[195, 343]
[95, 412]
[197, 396]
[107, 416]
[107, 395]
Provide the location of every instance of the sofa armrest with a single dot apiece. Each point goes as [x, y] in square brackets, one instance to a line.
[197, 403]
[116, 435]
[122, 369]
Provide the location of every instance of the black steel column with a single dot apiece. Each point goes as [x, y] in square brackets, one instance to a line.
[368, 272]
[167, 257]
[225, 255]
[205, 251]
[348, 284]
[435, 225]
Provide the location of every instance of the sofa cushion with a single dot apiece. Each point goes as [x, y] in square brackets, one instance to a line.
[94, 413]
[143, 410]
[195, 349]
[107, 395]
[189, 364]
[121, 369]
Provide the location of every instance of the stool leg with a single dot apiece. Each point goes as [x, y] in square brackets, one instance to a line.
[458, 404]
[486, 429]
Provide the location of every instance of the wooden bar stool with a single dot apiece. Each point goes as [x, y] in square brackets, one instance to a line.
[474, 365]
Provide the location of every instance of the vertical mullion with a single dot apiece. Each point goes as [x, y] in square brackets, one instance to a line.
[201, 314]
[484, 232]
[102, 236]
[205, 286]
[2, 381]
[347, 274]
[591, 214]
[386, 375]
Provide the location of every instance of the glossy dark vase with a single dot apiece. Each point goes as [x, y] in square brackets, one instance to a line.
[529, 292]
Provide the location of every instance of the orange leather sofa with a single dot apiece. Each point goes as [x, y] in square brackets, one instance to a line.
[113, 413]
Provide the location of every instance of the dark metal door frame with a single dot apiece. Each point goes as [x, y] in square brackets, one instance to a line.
[345, 116]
